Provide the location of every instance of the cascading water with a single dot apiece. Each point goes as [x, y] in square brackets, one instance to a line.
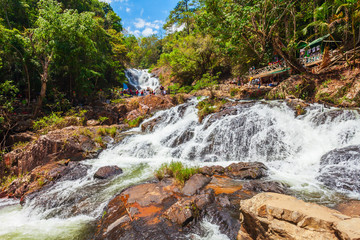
[141, 79]
[292, 148]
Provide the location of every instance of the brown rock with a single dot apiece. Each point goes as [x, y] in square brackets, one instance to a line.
[181, 212]
[277, 216]
[246, 170]
[194, 184]
[351, 208]
[92, 122]
[210, 171]
[108, 171]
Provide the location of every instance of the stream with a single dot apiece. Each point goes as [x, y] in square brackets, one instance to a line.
[291, 147]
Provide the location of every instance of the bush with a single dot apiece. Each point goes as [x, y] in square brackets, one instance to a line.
[176, 170]
[234, 91]
[136, 122]
[209, 106]
[207, 80]
[112, 131]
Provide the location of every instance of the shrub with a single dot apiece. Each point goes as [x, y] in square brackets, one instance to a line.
[112, 131]
[234, 91]
[102, 119]
[86, 132]
[136, 122]
[207, 80]
[209, 106]
[19, 145]
[101, 132]
[177, 170]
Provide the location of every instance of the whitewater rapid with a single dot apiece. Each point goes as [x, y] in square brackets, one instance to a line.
[269, 132]
[141, 79]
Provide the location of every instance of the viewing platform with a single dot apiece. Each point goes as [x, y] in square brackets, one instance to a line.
[281, 66]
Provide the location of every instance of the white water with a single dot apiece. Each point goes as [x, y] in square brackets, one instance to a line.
[141, 79]
[268, 132]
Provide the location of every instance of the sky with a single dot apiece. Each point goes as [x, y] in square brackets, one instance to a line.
[143, 17]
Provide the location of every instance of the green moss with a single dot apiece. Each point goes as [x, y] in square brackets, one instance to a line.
[177, 170]
[234, 91]
[209, 106]
[112, 131]
[101, 132]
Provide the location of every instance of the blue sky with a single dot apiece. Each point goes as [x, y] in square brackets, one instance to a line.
[143, 17]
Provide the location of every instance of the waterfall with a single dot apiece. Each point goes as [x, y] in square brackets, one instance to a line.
[141, 79]
[291, 147]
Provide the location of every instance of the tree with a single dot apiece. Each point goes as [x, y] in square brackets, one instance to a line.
[182, 14]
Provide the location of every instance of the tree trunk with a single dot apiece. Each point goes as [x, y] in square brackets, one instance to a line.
[28, 83]
[44, 79]
[291, 61]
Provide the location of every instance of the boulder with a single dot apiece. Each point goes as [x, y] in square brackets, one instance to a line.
[277, 216]
[213, 170]
[246, 170]
[194, 184]
[339, 169]
[350, 208]
[107, 172]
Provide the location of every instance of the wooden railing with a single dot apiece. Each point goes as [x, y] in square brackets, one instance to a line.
[281, 65]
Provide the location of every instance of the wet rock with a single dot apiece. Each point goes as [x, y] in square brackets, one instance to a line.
[194, 184]
[150, 193]
[264, 186]
[186, 136]
[148, 126]
[339, 169]
[213, 170]
[298, 105]
[337, 115]
[350, 208]
[228, 224]
[246, 170]
[107, 172]
[181, 212]
[277, 216]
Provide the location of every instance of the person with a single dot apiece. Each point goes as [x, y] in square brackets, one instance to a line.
[259, 82]
[137, 92]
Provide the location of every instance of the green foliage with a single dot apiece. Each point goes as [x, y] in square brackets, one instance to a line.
[112, 131]
[8, 93]
[136, 122]
[47, 122]
[101, 131]
[206, 81]
[86, 132]
[234, 91]
[102, 119]
[176, 170]
[209, 106]
[19, 145]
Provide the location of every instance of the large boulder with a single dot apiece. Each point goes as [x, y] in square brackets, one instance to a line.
[339, 169]
[107, 172]
[194, 184]
[277, 216]
[246, 170]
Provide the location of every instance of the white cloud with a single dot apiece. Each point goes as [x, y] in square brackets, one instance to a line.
[141, 23]
[141, 12]
[148, 32]
[175, 28]
[128, 10]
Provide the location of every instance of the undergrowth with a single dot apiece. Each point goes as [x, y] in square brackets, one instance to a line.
[209, 106]
[176, 170]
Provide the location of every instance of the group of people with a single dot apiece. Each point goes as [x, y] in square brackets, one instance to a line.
[144, 92]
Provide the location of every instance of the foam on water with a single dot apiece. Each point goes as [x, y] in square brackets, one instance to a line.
[141, 79]
[268, 132]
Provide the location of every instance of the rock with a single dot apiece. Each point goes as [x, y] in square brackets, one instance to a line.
[92, 122]
[339, 169]
[350, 208]
[298, 105]
[150, 193]
[264, 186]
[107, 172]
[213, 170]
[20, 137]
[194, 184]
[246, 170]
[277, 216]
[181, 212]
[148, 126]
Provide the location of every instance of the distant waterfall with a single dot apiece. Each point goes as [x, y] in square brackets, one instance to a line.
[141, 79]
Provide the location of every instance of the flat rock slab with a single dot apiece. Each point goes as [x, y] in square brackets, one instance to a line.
[277, 216]
[107, 172]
